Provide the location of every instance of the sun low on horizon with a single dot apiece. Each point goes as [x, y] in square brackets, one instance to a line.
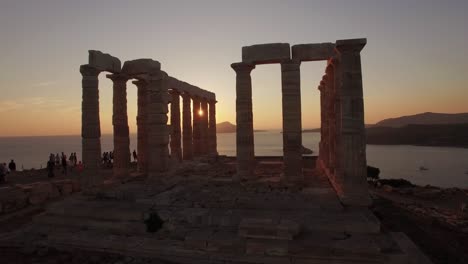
[408, 65]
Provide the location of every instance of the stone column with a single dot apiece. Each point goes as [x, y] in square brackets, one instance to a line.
[158, 133]
[90, 122]
[331, 123]
[204, 126]
[176, 150]
[212, 140]
[292, 126]
[324, 144]
[187, 127]
[121, 163]
[197, 148]
[245, 153]
[352, 152]
[142, 134]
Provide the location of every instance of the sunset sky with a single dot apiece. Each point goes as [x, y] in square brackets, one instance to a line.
[416, 59]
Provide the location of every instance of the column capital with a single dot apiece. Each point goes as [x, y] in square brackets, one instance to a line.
[290, 65]
[242, 67]
[88, 70]
[175, 92]
[350, 45]
[118, 77]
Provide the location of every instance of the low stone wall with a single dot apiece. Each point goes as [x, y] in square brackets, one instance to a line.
[14, 198]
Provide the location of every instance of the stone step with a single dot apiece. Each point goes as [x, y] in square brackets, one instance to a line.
[71, 223]
[362, 221]
[219, 246]
[100, 210]
[268, 228]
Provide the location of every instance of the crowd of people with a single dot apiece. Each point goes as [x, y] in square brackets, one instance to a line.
[61, 163]
[5, 170]
[57, 162]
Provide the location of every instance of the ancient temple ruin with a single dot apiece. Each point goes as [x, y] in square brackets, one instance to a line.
[218, 209]
[342, 154]
[156, 89]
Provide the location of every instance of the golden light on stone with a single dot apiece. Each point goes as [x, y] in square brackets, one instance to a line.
[200, 112]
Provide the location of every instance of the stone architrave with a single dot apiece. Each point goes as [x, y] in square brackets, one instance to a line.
[212, 140]
[176, 149]
[121, 163]
[158, 133]
[90, 122]
[292, 126]
[187, 127]
[351, 186]
[142, 127]
[244, 120]
[197, 124]
[204, 126]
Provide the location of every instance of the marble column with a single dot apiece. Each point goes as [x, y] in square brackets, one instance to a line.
[204, 126]
[292, 126]
[176, 150]
[91, 128]
[187, 127]
[331, 124]
[323, 145]
[142, 133]
[244, 119]
[212, 140]
[158, 132]
[121, 163]
[352, 153]
[197, 148]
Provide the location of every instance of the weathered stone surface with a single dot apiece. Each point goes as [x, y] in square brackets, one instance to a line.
[312, 52]
[41, 192]
[141, 66]
[266, 53]
[104, 61]
[12, 199]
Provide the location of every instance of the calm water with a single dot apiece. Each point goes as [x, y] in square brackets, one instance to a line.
[447, 166]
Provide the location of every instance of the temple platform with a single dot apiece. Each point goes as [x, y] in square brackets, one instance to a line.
[209, 218]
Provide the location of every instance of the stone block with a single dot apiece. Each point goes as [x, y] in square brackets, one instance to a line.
[104, 61]
[65, 186]
[41, 192]
[141, 66]
[12, 199]
[267, 247]
[312, 52]
[266, 53]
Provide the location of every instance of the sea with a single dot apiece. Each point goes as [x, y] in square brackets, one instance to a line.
[444, 166]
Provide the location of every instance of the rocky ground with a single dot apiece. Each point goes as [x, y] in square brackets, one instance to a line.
[435, 219]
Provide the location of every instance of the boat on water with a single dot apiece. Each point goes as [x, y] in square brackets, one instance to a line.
[422, 168]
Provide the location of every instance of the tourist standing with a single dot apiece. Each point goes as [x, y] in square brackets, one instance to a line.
[50, 168]
[135, 155]
[64, 164]
[57, 159]
[2, 173]
[12, 165]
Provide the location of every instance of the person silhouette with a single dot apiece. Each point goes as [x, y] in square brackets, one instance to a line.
[12, 165]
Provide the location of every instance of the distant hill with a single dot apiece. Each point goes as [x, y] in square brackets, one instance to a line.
[427, 118]
[448, 135]
[225, 127]
[228, 127]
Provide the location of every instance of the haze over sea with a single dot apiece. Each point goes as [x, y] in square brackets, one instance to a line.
[447, 167]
